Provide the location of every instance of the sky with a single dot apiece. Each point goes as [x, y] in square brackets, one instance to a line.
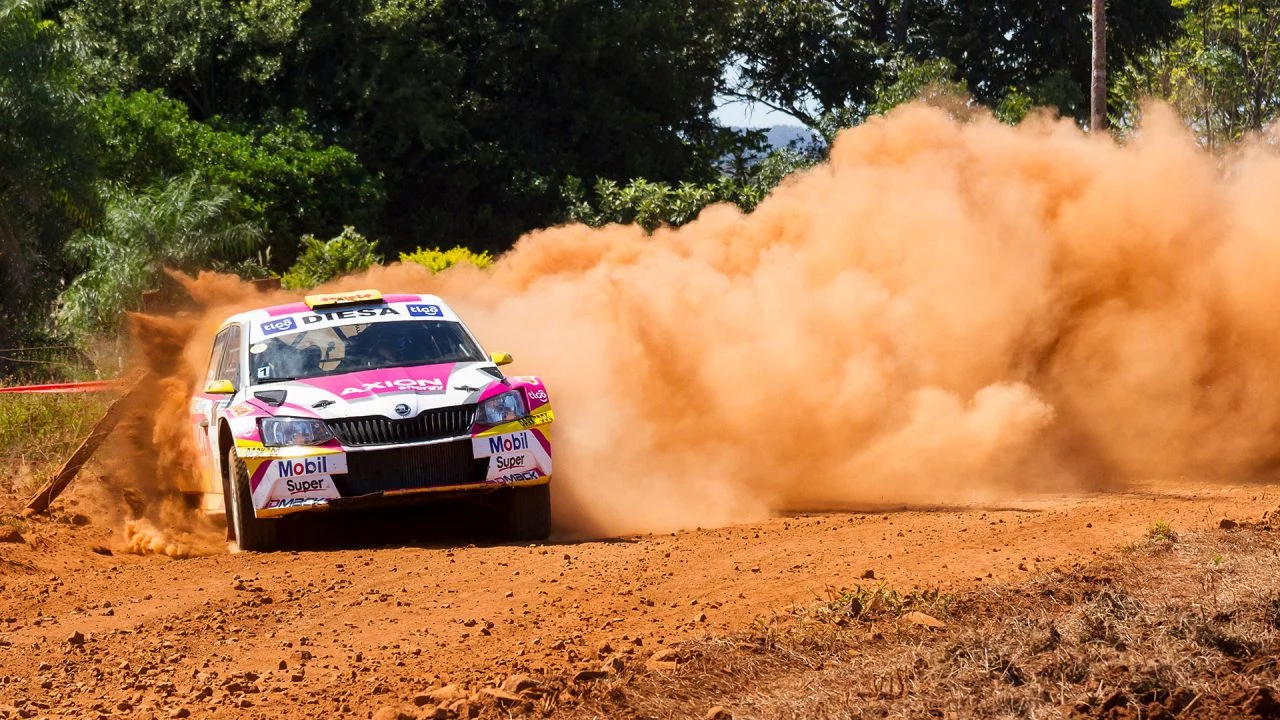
[738, 113]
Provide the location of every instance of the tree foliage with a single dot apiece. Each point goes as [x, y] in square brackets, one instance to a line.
[437, 260]
[183, 224]
[281, 174]
[47, 164]
[821, 61]
[652, 204]
[473, 112]
[323, 260]
[1221, 72]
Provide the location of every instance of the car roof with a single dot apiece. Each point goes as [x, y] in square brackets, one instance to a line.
[301, 308]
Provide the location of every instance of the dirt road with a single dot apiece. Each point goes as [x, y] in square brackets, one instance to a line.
[328, 632]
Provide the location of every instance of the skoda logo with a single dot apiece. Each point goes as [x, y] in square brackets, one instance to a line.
[402, 409]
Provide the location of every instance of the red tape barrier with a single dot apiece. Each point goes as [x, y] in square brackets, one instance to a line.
[91, 386]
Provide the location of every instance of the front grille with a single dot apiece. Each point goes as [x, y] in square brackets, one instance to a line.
[429, 425]
[410, 468]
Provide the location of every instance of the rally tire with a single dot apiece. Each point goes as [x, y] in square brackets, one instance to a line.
[252, 533]
[528, 513]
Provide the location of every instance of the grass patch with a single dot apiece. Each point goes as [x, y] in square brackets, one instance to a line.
[1162, 531]
[38, 432]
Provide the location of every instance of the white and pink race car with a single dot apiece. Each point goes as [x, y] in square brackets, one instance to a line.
[362, 399]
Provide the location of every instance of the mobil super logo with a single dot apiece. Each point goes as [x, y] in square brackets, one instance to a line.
[303, 466]
[509, 443]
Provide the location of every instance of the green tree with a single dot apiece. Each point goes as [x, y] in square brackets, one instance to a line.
[323, 260]
[46, 165]
[283, 177]
[655, 204]
[1221, 73]
[183, 224]
[822, 61]
[473, 112]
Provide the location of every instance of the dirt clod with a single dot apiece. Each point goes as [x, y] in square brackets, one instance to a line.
[918, 618]
[519, 683]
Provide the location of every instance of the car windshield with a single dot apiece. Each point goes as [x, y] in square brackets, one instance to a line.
[349, 348]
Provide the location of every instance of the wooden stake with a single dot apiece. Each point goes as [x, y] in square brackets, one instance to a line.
[51, 490]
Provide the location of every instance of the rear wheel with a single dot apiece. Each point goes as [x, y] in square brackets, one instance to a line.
[528, 512]
[252, 533]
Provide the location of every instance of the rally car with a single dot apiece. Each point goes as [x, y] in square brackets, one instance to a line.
[361, 399]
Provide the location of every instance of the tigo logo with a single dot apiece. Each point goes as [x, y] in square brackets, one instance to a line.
[278, 326]
[425, 310]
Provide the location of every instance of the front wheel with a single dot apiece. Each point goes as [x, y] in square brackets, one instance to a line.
[252, 533]
[528, 512]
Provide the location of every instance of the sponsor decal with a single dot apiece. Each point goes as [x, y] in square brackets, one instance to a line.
[303, 466]
[427, 384]
[305, 485]
[511, 463]
[293, 503]
[424, 311]
[240, 410]
[539, 395]
[517, 477]
[272, 327]
[348, 314]
[257, 349]
[508, 443]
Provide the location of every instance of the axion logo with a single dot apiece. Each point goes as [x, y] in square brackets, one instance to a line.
[429, 384]
[509, 443]
[305, 466]
[279, 326]
[539, 395]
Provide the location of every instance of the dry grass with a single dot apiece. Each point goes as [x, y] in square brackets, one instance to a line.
[38, 432]
[1178, 626]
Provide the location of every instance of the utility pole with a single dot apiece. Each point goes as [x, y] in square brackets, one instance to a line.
[1098, 89]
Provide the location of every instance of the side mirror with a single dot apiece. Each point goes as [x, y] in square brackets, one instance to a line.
[220, 387]
[501, 358]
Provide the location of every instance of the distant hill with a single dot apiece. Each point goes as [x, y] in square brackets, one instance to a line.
[781, 136]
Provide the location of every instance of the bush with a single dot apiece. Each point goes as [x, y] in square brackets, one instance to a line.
[437, 260]
[320, 261]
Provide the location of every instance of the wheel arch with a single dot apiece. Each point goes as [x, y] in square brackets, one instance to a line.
[226, 441]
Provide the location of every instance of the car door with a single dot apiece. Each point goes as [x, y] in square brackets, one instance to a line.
[224, 364]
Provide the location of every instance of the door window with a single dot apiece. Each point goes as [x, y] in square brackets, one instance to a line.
[215, 358]
[230, 369]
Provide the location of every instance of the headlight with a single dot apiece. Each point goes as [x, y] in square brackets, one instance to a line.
[278, 432]
[501, 408]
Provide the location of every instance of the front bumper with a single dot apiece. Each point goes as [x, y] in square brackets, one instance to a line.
[307, 479]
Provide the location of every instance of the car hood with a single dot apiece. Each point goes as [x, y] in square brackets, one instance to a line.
[390, 392]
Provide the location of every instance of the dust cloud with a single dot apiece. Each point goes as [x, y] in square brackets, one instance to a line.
[950, 310]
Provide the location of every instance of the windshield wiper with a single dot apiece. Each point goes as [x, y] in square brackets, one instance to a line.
[267, 381]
